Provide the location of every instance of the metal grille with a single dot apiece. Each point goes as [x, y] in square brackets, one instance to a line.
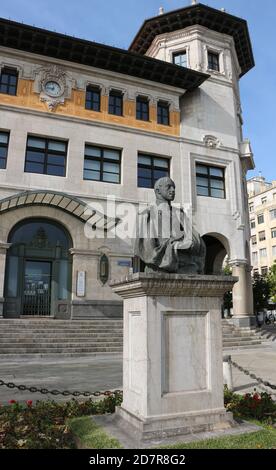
[37, 295]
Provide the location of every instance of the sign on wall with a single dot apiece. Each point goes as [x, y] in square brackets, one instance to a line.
[81, 278]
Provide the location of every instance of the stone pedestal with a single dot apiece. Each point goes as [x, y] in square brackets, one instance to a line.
[172, 365]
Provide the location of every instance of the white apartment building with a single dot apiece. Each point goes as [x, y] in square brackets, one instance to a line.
[80, 122]
[262, 212]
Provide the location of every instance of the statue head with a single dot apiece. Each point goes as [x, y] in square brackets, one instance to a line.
[164, 189]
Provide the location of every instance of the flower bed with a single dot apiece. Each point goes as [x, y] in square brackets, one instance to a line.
[43, 425]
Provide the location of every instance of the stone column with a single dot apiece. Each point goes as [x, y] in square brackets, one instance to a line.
[172, 364]
[3, 254]
[242, 296]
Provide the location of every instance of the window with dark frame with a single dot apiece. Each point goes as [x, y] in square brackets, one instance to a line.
[262, 236]
[213, 61]
[142, 108]
[273, 233]
[46, 156]
[252, 224]
[254, 240]
[180, 58]
[102, 164]
[115, 103]
[210, 181]
[261, 219]
[4, 144]
[93, 98]
[163, 113]
[150, 169]
[8, 81]
[264, 270]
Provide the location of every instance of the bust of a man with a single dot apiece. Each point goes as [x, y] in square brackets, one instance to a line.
[166, 241]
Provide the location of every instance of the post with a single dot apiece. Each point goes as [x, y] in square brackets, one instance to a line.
[227, 372]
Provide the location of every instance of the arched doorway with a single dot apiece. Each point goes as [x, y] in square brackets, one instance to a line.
[38, 276]
[216, 253]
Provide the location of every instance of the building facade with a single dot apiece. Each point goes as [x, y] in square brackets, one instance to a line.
[262, 212]
[82, 124]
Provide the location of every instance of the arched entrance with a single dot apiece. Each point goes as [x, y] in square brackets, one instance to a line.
[216, 253]
[38, 278]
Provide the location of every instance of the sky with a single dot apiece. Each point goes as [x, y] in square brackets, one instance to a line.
[115, 22]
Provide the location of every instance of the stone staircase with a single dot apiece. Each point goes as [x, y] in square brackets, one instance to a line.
[48, 337]
[242, 338]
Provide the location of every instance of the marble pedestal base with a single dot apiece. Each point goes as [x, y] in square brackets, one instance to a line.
[172, 360]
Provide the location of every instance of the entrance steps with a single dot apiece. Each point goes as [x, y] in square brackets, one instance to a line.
[23, 338]
[242, 338]
[49, 337]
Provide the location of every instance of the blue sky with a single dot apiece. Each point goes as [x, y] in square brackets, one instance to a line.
[115, 22]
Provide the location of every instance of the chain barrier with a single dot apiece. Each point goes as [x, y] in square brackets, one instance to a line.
[252, 376]
[65, 393]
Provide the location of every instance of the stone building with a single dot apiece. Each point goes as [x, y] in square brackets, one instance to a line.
[82, 121]
[262, 212]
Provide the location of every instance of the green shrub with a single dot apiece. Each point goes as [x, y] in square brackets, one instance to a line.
[254, 405]
[43, 425]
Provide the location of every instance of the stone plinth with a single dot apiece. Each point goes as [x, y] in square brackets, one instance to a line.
[172, 365]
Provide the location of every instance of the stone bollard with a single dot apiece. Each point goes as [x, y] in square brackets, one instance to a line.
[227, 372]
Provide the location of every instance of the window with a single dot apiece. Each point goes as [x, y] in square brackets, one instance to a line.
[93, 98]
[261, 219]
[115, 105]
[264, 201]
[46, 156]
[4, 143]
[254, 240]
[264, 270]
[210, 181]
[255, 257]
[273, 214]
[163, 113]
[102, 164]
[180, 58]
[274, 251]
[213, 61]
[263, 253]
[150, 169]
[8, 81]
[252, 224]
[273, 233]
[142, 108]
[262, 236]
[251, 207]
[256, 272]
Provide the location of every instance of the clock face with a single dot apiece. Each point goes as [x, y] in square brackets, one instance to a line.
[52, 88]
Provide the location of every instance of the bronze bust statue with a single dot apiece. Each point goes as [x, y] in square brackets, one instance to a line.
[166, 241]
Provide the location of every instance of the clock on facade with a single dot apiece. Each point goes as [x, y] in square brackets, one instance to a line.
[52, 88]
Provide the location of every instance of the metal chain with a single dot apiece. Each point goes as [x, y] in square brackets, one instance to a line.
[65, 393]
[252, 376]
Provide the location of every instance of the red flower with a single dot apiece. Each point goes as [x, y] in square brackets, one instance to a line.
[29, 402]
[11, 402]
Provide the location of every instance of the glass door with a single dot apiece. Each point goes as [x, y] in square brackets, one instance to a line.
[37, 288]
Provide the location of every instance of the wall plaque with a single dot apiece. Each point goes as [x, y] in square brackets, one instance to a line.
[81, 278]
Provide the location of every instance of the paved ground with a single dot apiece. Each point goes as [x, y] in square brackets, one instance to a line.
[105, 373]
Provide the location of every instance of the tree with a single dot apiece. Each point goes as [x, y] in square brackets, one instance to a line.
[261, 292]
[272, 282]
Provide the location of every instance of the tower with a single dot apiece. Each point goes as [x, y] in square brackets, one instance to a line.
[214, 155]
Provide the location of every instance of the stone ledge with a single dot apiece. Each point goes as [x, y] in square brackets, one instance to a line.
[177, 285]
[130, 437]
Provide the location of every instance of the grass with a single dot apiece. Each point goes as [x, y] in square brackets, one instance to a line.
[265, 439]
[90, 435]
